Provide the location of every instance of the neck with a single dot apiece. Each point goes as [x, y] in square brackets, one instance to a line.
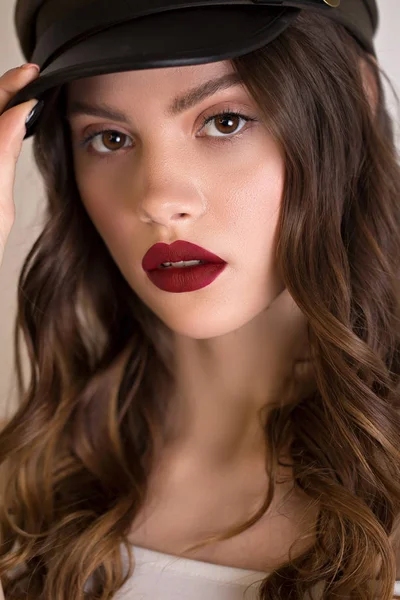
[222, 385]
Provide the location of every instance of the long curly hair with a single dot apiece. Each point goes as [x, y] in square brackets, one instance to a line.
[77, 453]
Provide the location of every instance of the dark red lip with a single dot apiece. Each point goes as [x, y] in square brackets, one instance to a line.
[176, 252]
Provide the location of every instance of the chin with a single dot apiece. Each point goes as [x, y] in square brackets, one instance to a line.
[204, 315]
[205, 325]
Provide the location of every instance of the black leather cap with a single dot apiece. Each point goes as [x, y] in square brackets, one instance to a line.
[70, 39]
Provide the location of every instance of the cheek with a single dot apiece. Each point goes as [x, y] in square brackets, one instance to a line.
[243, 198]
[99, 199]
[252, 203]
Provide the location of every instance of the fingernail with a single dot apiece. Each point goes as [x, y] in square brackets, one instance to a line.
[30, 66]
[34, 114]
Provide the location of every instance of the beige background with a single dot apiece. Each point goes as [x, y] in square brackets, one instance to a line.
[29, 195]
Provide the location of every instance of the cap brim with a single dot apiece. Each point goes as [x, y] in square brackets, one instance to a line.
[173, 38]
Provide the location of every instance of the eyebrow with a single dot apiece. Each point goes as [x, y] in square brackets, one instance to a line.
[178, 105]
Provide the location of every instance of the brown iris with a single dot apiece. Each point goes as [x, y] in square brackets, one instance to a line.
[109, 136]
[230, 119]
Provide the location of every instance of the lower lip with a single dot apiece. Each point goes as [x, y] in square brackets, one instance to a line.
[185, 279]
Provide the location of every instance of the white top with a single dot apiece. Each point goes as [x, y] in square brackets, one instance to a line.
[159, 576]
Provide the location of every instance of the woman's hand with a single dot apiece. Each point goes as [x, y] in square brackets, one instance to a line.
[12, 133]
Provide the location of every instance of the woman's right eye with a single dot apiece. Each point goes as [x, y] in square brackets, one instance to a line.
[102, 137]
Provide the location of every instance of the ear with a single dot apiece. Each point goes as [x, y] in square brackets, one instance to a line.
[369, 82]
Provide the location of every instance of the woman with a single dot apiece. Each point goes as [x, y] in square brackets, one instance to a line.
[211, 311]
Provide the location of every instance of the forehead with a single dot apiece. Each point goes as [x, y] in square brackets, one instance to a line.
[177, 89]
[149, 81]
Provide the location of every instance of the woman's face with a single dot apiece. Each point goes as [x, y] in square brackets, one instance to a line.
[162, 176]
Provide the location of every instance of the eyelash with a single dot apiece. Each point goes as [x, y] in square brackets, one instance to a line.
[227, 113]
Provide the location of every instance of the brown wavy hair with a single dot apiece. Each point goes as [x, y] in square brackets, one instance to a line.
[76, 455]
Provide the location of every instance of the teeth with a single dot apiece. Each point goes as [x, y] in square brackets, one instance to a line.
[182, 263]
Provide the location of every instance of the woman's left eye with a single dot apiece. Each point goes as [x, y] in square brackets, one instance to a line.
[226, 117]
[226, 121]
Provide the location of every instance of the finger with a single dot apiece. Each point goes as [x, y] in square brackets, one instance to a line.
[13, 81]
[12, 132]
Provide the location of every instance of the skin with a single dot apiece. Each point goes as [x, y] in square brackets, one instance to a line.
[236, 339]
[219, 332]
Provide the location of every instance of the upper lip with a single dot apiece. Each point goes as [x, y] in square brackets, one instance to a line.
[176, 252]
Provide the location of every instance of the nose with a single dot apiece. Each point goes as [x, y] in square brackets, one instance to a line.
[169, 191]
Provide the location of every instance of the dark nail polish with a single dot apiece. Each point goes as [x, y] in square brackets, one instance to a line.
[34, 114]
